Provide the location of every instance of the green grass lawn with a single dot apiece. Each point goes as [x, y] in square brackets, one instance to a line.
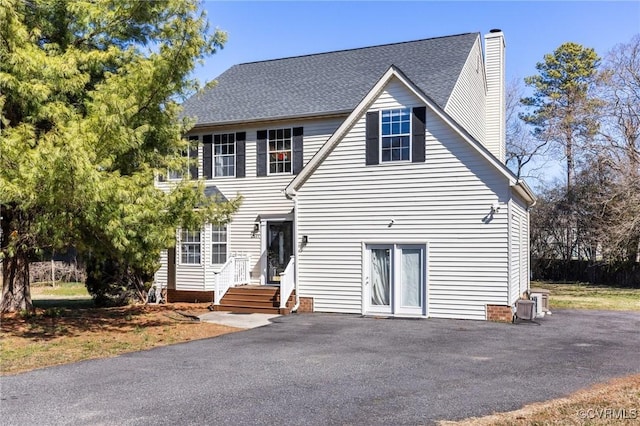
[62, 295]
[61, 290]
[587, 296]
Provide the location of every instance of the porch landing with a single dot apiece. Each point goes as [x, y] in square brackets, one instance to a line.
[254, 299]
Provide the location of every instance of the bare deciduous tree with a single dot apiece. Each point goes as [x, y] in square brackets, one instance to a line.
[597, 217]
[619, 146]
[525, 153]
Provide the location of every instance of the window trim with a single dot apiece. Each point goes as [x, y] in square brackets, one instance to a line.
[175, 175]
[214, 155]
[186, 171]
[220, 243]
[180, 243]
[408, 134]
[290, 150]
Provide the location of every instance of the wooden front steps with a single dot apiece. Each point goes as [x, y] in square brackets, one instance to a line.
[254, 299]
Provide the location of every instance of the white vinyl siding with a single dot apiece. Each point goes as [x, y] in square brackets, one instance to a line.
[189, 277]
[495, 100]
[261, 195]
[162, 274]
[519, 250]
[466, 103]
[525, 266]
[196, 277]
[442, 202]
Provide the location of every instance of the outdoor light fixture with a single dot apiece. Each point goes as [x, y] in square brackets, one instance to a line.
[305, 240]
[495, 208]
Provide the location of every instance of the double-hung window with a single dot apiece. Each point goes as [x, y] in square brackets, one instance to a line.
[218, 244]
[279, 153]
[190, 156]
[190, 247]
[177, 174]
[395, 135]
[224, 154]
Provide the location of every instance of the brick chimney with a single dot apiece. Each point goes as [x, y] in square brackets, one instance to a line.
[494, 50]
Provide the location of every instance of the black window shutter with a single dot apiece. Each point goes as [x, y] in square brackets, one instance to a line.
[207, 156]
[373, 138]
[241, 154]
[298, 149]
[417, 134]
[261, 153]
[193, 157]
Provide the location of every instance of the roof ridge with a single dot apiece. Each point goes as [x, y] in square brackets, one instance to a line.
[353, 49]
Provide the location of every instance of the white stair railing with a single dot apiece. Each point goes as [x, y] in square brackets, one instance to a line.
[234, 272]
[224, 280]
[241, 270]
[287, 282]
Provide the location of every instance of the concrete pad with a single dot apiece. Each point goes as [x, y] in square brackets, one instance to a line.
[239, 320]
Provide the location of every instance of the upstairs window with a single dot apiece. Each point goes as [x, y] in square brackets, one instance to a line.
[219, 244]
[177, 174]
[191, 159]
[279, 153]
[395, 135]
[190, 247]
[224, 154]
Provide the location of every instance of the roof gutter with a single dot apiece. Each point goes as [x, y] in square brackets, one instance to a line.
[259, 121]
[525, 192]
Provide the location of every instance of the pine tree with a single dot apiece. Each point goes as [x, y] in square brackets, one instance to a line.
[564, 110]
[89, 93]
[564, 114]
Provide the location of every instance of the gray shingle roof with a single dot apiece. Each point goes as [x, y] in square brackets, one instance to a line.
[328, 82]
[213, 191]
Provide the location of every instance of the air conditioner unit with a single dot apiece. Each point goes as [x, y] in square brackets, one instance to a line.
[538, 298]
[543, 299]
[526, 309]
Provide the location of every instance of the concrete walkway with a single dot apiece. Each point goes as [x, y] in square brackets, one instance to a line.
[238, 320]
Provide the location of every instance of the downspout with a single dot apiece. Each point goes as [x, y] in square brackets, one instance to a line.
[510, 302]
[295, 249]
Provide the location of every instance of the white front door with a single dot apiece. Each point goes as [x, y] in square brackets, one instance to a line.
[395, 280]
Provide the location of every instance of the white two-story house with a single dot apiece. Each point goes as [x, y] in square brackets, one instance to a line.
[373, 182]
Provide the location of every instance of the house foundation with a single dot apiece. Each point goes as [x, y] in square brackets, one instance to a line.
[499, 313]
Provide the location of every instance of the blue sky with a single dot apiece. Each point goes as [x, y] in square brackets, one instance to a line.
[269, 30]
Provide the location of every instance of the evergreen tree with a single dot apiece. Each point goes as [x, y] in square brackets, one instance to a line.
[564, 114]
[563, 108]
[89, 94]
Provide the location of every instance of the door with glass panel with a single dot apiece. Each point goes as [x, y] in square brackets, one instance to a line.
[279, 249]
[395, 279]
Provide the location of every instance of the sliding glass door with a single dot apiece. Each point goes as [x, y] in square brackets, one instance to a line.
[395, 280]
[380, 268]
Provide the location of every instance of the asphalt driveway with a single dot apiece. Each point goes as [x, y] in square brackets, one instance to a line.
[334, 369]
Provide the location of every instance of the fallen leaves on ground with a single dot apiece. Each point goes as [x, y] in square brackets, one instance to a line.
[58, 336]
[614, 402]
